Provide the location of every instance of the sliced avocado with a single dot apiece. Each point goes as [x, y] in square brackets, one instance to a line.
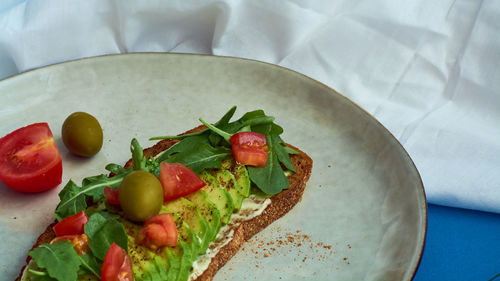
[188, 212]
[228, 181]
[187, 234]
[218, 195]
[142, 256]
[192, 239]
[240, 173]
[144, 259]
[210, 212]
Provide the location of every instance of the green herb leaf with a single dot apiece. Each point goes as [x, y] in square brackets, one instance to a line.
[95, 193]
[157, 270]
[116, 169]
[72, 201]
[137, 155]
[59, 259]
[38, 272]
[279, 148]
[268, 129]
[74, 198]
[252, 118]
[196, 153]
[216, 130]
[102, 232]
[45, 277]
[40, 275]
[222, 122]
[270, 179]
[290, 150]
[90, 264]
[140, 161]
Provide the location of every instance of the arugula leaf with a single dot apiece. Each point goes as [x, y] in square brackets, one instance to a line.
[140, 161]
[59, 259]
[196, 153]
[157, 270]
[222, 122]
[90, 264]
[102, 232]
[252, 118]
[74, 198]
[137, 155]
[271, 179]
[117, 169]
[71, 202]
[290, 150]
[222, 133]
[267, 129]
[40, 275]
[279, 148]
[95, 193]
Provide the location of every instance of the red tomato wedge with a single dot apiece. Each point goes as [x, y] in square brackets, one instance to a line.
[178, 180]
[71, 225]
[112, 195]
[158, 231]
[117, 265]
[30, 160]
[249, 148]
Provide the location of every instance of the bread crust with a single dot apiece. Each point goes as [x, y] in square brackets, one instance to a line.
[281, 204]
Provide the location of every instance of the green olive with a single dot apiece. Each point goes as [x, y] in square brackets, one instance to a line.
[140, 195]
[82, 134]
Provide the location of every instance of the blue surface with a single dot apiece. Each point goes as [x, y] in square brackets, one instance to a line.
[461, 245]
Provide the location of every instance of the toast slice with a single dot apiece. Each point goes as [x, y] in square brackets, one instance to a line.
[280, 204]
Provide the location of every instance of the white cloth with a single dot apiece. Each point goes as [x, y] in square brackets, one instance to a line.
[427, 70]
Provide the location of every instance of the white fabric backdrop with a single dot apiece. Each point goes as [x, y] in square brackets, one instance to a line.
[428, 70]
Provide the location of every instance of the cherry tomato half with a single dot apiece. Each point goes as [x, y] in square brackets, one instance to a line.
[158, 231]
[249, 148]
[178, 180]
[112, 195]
[30, 160]
[71, 225]
[117, 265]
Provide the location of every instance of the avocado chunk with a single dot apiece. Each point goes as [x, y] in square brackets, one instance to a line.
[228, 181]
[187, 234]
[189, 213]
[240, 173]
[210, 212]
[218, 195]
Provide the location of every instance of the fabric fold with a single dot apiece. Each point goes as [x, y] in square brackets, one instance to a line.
[428, 71]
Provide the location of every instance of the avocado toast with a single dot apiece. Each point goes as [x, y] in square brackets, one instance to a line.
[212, 222]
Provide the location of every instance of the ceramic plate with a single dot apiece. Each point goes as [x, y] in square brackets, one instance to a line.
[362, 216]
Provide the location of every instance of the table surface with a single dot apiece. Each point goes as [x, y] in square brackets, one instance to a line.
[460, 245]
